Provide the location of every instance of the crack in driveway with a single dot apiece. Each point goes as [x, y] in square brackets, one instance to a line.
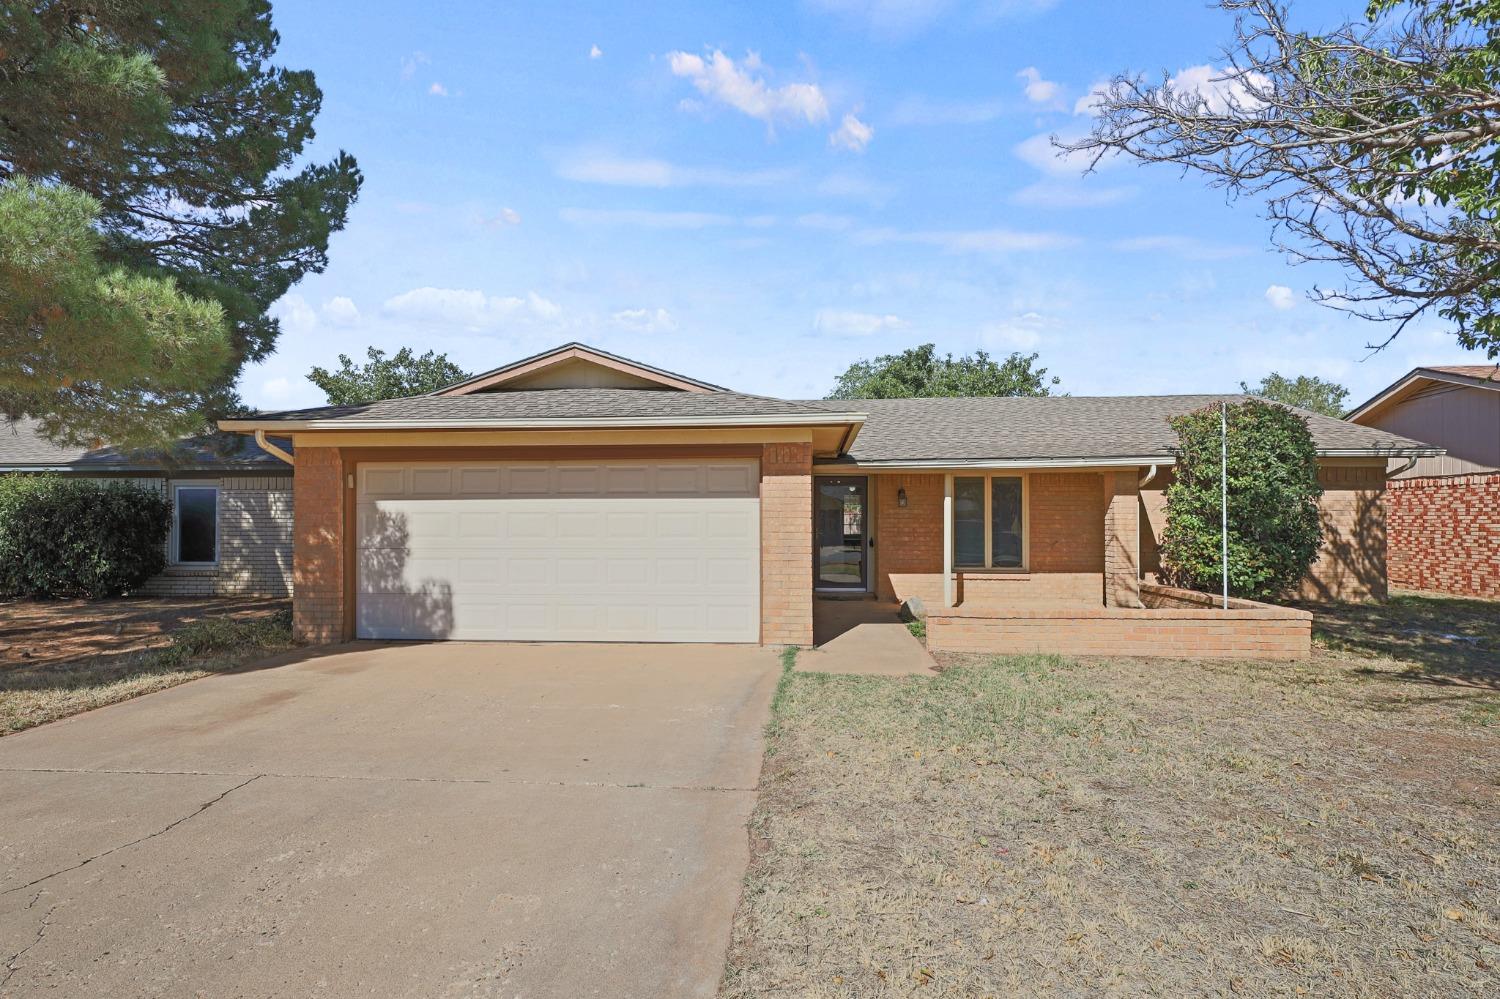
[11, 967]
[125, 846]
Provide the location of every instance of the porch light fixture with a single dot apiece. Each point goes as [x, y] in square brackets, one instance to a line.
[901, 497]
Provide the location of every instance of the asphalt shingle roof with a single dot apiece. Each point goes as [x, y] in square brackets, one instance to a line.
[21, 446]
[561, 404]
[1058, 427]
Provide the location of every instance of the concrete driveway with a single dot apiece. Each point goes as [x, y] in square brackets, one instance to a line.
[400, 820]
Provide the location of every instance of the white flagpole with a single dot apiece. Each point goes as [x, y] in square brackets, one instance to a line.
[1224, 494]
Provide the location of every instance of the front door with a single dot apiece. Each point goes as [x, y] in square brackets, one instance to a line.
[841, 530]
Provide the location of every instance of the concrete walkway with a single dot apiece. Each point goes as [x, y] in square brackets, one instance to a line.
[403, 820]
[865, 637]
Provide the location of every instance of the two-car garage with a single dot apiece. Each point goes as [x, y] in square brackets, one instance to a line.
[629, 550]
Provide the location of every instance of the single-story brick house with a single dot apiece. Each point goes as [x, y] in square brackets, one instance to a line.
[1443, 512]
[581, 496]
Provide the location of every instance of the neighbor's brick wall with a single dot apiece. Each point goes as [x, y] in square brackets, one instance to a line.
[1445, 534]
[1351, 565]
[786, 583]
[318, 546]
[255, 542]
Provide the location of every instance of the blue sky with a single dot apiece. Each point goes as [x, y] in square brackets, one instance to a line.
[759, 194]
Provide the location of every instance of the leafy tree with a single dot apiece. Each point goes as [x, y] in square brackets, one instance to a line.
[921, 373]
[1373, 144]
[150, 211]
[1274, 529]
[386, 377]
[1304, 391]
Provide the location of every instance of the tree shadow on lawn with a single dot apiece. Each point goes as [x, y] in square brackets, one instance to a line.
[1441, 640]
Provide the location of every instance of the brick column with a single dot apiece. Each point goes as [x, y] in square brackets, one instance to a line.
[318, 546]
[786, 582]
[1122, 531]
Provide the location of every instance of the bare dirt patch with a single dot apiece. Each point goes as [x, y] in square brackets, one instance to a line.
[1040, 826]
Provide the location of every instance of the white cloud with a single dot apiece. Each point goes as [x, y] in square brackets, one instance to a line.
[594, 168]
[852, 134]
[842, 322]
[469, 308]
[341, 311]
[1186, 246]
[908, 17]
[294, 314]
[1042, 154]
[829, 223]
[972, 240]
[645, 219]
[437, 90]
[595, 52]
[855, 188]
[1070, 194]
[1089, 102]
[645, 320]
[1022, 332]
[410, 64]
[1281, 297]
[276, 389]
[1038, 90]
[721, 79]
[1220, 89]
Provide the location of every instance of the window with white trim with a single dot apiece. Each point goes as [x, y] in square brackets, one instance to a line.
[989, 522]
[195, 525]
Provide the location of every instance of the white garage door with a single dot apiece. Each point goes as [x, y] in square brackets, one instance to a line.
[572, 551]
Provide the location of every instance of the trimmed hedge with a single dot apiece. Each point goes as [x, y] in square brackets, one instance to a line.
[64, 537]
[1274, 529]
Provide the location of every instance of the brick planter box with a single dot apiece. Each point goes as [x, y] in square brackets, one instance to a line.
[1177, 624]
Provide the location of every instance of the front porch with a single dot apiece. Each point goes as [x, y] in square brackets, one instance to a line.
[1022, 561]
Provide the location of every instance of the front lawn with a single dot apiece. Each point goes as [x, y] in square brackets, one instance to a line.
[41, 688]
[1042, 826]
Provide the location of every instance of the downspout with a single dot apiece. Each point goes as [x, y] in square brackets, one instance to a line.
[272, 449]
[1150, 474]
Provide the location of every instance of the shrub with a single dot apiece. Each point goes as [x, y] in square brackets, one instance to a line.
[1274, 528]
[62, 537]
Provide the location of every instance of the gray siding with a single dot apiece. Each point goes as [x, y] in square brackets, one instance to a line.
[1463, 419]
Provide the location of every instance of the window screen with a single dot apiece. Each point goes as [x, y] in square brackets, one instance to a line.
[968, 521]
[1005, 522]
[197, 524]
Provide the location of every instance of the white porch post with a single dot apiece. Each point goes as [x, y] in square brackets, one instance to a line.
[948, 540]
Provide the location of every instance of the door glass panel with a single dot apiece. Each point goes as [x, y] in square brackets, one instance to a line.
[197, 524]
[1005, 522]
[968, 521]
[840, 532]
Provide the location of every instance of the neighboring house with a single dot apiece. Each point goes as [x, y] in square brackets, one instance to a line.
[231, 528]
[580, 496]
[1444, 511]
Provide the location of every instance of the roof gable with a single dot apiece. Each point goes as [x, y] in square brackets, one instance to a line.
[576, 366]
[1418, 380]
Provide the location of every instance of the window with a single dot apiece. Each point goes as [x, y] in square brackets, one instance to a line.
[989, 522]
[195, 525]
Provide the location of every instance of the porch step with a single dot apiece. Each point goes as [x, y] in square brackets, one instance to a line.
[858, 595]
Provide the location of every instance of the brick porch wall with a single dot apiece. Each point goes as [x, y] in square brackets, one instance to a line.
[1122, 580]
[318, 546]
[786, 581]
[1445, 534]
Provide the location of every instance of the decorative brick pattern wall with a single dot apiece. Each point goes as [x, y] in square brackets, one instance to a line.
[786, 583]
[1122, 580]
[318, 553]
[1445, 534]
[255, 542]
[1175, 628]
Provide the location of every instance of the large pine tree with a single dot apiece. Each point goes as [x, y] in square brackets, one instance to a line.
[152, 207]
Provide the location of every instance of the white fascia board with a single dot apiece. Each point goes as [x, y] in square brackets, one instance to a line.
[986, 463]
[597, 423]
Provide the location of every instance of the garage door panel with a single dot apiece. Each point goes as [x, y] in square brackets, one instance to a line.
[622, 551]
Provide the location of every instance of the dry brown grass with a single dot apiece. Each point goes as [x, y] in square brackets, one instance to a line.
[1039, 826]
[34, 694]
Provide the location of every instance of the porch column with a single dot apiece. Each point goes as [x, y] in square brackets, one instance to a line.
[318, 546]
[786, 545]
[948, 540]
[1122, 546]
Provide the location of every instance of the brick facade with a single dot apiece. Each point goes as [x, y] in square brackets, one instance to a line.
[255, 541]
[1445, 534]
[318, 552]
[909, 539]
[1122, 562]
[786, 588]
